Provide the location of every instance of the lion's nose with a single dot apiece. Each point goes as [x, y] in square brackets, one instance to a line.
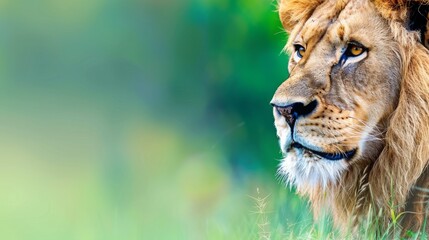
[293, 111]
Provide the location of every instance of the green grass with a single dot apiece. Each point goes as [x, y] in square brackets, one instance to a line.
[266, 223]
[270, 218]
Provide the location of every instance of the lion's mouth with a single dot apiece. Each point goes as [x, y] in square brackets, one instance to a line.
[329, 156]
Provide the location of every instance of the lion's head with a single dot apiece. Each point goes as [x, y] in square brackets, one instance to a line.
[353, 117]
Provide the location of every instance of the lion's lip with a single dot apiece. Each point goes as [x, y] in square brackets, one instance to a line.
[329, 156]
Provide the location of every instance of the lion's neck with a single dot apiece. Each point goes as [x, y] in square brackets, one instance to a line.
[346, 200]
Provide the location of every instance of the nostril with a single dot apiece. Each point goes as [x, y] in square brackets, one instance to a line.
[307, 109]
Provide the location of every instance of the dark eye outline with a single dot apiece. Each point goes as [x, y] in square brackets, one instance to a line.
[348, 52]
[298, 49]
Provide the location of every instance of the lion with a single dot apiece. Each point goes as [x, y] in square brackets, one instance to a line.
[353, 116]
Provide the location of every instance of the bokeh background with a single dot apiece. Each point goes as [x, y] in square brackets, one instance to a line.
[141, 119]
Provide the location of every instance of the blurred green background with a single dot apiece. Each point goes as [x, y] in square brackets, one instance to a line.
[131, 119]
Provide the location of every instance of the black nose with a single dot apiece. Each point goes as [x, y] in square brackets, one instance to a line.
[295, 110]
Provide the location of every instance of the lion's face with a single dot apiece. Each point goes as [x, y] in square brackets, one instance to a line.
[344, 83]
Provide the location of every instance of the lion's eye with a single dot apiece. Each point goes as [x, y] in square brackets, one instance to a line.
[354, 50]
[354, 53]
[299, 52]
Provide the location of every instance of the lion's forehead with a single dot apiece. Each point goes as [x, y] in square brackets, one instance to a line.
[334, 19]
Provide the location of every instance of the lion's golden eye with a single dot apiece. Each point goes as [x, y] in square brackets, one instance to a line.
[300, 50]
[354, 50]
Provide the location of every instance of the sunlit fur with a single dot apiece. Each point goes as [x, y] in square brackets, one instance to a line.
[388, 123]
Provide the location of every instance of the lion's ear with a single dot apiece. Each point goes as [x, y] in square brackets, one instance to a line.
[293, 11]
[418, 20]
[413, 14]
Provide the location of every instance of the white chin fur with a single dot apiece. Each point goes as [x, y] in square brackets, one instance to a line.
[304, 171]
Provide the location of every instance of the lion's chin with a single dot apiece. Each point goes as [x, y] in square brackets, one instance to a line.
[304, 170]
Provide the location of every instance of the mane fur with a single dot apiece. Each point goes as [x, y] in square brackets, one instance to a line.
[302, 9]
[406, 152]
[386, 181]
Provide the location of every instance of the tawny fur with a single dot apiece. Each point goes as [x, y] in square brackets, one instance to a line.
[396, 176]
